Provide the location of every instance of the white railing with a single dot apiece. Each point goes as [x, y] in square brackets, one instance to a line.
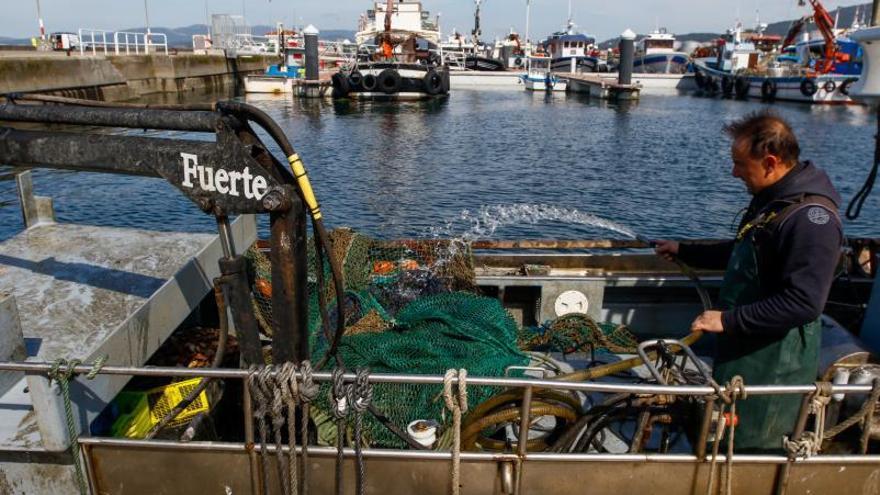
[139, 43]
[93, 40]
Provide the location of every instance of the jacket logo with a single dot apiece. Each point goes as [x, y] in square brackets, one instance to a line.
[818, 215]
[222, 181]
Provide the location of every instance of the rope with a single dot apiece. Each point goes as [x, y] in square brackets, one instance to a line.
[719, 436]
[308, 391]
[286, 395]
[255, 380]
[62, 372]
[810, 442]
[867, 408]
[340, 396]
[362, 395]
[458, 404]
[736, 389]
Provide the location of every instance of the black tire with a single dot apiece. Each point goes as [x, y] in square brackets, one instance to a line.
[829, 86]
[711, 84]
[356, 80]
[446, 83]
[370, 82]
[741, 88]
[700, 79]
[844, 86]
[768, 90]
[808, 87]
[433, 82]
[518, 62]
[726, 86]
[341, 88]
[389, 81]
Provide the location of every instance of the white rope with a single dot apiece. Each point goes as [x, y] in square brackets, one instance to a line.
[458, 404]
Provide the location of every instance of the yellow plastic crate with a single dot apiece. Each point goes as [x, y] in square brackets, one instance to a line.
[143, 410]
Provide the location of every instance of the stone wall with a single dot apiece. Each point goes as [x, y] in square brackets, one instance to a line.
[122, 77]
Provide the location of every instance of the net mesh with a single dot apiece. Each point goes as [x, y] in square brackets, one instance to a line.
[410, 307]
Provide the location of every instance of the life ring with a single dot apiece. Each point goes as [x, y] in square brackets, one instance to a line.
[389, 81]
[369, 82]
[518, 61]
[829, 86]
[700, 79]
[741, 87]
[808, 87]
[433, 83]
[844, 86]
[726, 86]
[768, 89]
[355, 80]
[341, 87]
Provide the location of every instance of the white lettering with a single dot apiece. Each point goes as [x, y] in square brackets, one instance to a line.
[234, 177]
[260, 187]
[220, 181]
[246, 176]
[189, 168]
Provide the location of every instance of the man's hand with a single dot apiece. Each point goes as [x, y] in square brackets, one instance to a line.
[709, 321]
[667, 249]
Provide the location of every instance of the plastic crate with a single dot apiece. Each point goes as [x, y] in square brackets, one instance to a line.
[140, 411]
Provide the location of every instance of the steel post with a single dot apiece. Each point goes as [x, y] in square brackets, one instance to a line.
[310, 34]
[627, 57]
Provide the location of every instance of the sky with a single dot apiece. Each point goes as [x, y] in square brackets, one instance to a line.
[601, 18]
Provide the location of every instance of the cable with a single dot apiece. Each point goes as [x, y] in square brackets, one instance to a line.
[855, 205]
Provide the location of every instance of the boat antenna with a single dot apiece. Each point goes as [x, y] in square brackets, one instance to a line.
[570, 23]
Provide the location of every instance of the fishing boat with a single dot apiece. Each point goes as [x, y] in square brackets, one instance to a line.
[656, 54]
[540, 77]
[402, 65]
[397, 366]
[573, 52]
[810, 71]
[280, 77]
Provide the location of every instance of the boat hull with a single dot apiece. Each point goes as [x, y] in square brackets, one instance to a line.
[410, 82]
[540, 84]
[268, 84]
[830, 89]
[666, 63]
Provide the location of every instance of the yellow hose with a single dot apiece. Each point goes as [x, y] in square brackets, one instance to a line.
[538, 409]
[305, 186]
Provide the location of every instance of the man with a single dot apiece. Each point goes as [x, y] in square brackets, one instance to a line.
[778, 275]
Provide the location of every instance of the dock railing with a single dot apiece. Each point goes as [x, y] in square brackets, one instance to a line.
[93, 40]
[131, 43]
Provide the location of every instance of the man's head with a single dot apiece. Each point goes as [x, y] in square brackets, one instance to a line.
[764, 149]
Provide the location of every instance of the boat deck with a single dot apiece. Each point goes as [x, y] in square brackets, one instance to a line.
[82, 292]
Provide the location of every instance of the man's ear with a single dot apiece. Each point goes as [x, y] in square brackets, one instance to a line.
[771, 164]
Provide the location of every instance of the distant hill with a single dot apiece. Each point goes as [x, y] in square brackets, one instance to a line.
[845, 19]
[181, 37]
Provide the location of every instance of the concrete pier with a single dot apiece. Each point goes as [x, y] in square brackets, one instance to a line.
[122, 77]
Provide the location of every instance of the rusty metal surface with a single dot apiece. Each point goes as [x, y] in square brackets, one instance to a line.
[121, 470]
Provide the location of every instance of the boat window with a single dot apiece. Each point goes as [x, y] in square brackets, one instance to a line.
[565, 45]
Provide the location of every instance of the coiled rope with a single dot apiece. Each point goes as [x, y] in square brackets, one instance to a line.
[256, 380]
[458, 404]
[62, 372]
[810, 442]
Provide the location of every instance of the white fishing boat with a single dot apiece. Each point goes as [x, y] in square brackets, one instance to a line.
[406, 17]
[656, 54]
[540, 77]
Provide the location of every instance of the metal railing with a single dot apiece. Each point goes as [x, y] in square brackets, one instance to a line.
[527, 384]
[129, 43]
[93, 40]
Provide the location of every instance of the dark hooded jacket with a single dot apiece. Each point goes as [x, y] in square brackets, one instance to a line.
[797, 258]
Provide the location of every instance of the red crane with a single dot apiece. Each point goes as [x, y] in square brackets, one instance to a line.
[825, 24]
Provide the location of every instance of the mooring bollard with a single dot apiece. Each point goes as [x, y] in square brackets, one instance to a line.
[310, 34]
[627, 52]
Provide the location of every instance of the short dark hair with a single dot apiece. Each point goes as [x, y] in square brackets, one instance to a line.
[767, 133]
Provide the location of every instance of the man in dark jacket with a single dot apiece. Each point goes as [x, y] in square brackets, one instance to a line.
[779, 271]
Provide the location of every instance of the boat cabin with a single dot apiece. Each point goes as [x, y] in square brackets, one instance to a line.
[568, 45]
[657, 42]
[849, 55]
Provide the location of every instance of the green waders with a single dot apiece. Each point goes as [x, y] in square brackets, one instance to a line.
[791, 358]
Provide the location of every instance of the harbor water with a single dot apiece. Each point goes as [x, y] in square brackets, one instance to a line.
[504, 163]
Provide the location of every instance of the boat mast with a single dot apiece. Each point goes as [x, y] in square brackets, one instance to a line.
[528, 18]
[475, 34]
[568, 27]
